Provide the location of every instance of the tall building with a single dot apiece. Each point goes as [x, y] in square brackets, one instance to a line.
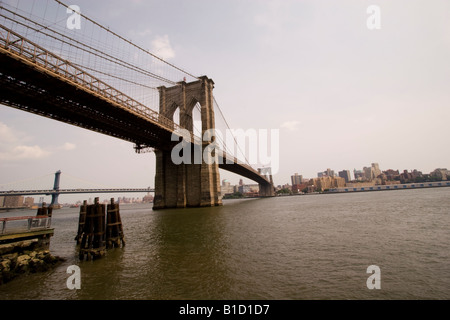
[376, 169]
[368, 173]
[346, 175]
[372, 172]
[326, 173]
[359, 175]
[296, 179]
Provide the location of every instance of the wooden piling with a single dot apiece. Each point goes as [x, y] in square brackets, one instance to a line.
[92, 243]
[81, 221]
[114, 228]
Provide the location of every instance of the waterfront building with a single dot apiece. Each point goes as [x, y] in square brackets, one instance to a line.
[359, 175]
[368, 173]
[326, 173]
[13, 201]
[298, 188]
[346, 175]
[226, 188]
[325, 183]
[376, 169]
[2, 201]
[372, 172]
[249, 189]
[296, 179]
[392, 174]
[441, 173]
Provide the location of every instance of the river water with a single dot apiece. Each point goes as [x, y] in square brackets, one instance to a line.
[295, 247]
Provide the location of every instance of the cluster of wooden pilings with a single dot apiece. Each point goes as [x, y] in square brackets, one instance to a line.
[44, 210]
[99, 229]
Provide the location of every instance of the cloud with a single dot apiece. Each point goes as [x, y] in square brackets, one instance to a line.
[13, 147]
[162, 48]
[7, 135]
[290, 125]
[24, 152]
[68, 146]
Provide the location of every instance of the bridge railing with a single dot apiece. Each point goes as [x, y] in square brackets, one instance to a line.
[15, 43]
[24, 224]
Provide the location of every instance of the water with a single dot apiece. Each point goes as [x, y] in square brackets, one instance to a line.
[299, 247]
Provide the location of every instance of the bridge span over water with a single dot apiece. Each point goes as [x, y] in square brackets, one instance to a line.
[35, 79]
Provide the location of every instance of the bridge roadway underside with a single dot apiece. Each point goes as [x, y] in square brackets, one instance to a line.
[242, 171]
[25, 87]
[28, 88]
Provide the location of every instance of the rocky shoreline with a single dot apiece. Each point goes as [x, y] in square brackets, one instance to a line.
[24, 257]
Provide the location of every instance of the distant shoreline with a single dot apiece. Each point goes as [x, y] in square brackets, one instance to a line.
[392, 187]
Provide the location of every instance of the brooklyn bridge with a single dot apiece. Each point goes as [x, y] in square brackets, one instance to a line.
[80, 79]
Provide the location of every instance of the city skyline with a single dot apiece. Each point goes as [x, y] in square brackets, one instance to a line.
[340, 94]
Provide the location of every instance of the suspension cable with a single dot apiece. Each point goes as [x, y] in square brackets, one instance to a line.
[234, 138]
[101, 55]
[129, 42]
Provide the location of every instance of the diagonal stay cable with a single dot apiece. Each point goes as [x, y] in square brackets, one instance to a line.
[129, 42]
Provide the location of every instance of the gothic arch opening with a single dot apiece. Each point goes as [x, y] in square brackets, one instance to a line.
[176, 116]
[197, 120]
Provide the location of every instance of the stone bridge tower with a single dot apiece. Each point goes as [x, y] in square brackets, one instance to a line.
[187, 185]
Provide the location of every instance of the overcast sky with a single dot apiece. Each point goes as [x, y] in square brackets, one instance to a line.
[342, 96]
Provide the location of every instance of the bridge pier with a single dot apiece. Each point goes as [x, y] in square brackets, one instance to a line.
[266, 189]
[185, 185]
[196, 183]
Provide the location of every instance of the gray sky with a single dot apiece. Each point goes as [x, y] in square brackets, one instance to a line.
[342, 96]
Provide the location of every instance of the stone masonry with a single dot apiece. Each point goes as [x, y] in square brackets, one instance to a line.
[187, 185]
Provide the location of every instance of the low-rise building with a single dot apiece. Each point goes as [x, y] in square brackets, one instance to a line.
[249, 189]
[441, 173]
[226, 188]
[325, 183]
[13, 201]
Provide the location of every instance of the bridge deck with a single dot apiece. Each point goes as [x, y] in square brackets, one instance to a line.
[36, 80]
